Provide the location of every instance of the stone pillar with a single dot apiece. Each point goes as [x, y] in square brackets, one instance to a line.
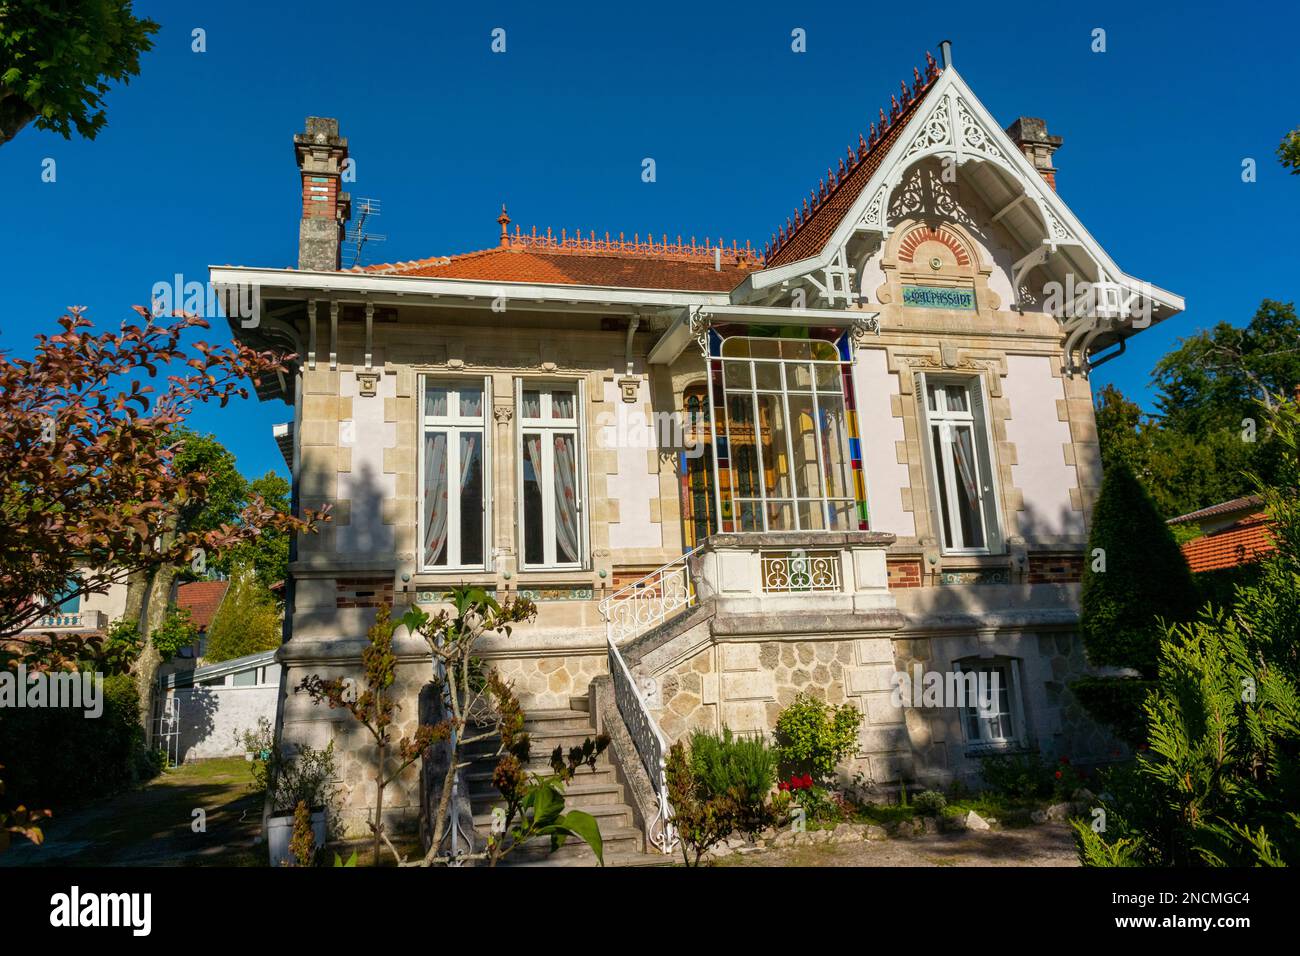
[503, 517]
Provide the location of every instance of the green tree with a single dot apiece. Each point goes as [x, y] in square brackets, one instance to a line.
[1288, 151]
[57, 60]
[1219, 781]
[1218, 378]
[267, 553]
[247, 622]
[1135, 579]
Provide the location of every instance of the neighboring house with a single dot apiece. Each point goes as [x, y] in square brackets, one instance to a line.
[1233, 533]
[202, 599]
[725, 475]
[204, 713]
[83, 615]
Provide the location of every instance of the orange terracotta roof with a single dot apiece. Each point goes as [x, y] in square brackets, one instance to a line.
[804, 234]
[566, 260]
[201, 599]
[1243, 542]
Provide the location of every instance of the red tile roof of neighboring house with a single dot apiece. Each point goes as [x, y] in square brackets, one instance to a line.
[1243, 542]
[637, 264]
[1249, 502]
[201, 599]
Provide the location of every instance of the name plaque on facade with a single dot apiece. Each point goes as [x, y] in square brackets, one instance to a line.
[934, 297]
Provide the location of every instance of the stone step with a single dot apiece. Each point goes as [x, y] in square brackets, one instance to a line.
[615, 815]
[621, 842]
[613, 857]
[478, 778]
[536, 721]
[577, 796]
[539, 742]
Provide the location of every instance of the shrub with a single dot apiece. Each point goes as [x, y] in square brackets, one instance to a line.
[175, 632]
[261, 744]
[57, 756]
[741, 767]
[1116, 702]
[813, 737]
[1017, 776]
[701, 821]
[1145, 579]
[1218, 782]
[929, 803]
[306, 777]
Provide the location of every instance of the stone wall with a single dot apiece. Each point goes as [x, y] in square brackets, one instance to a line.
[744, 685]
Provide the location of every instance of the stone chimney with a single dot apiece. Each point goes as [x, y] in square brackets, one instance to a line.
[1030, 134]
[321, 152]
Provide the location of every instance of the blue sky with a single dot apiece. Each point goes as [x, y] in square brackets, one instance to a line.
[195, 166]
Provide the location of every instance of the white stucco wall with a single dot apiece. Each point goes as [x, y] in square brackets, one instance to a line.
[634, 486]
[212, 718]
[366, 485]
[1041, 439]
[886, 478]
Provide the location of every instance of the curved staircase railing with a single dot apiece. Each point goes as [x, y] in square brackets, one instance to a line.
[629, 612]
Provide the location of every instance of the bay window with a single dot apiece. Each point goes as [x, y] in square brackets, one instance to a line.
[961, 465]
[787, 429]
[454, 466]
[551, 526]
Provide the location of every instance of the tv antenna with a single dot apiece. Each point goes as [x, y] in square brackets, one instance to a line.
[366, 209]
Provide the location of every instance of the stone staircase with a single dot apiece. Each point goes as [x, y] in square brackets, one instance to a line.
[594, 790]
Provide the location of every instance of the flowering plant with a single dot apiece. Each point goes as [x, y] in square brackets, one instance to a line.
[796, 783]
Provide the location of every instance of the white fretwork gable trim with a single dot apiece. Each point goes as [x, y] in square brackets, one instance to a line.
[955, 127]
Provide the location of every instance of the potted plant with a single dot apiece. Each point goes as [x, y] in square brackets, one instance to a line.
[308, 777]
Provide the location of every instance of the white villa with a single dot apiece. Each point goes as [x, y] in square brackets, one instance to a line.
[725, 474]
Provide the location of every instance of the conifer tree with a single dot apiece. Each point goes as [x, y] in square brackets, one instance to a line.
[1135, 581]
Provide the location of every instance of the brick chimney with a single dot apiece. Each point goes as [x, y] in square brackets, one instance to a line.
[1030, 134]
[321, 152]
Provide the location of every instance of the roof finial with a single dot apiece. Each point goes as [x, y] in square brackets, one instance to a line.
[945, 52]
[917, 83]
[862, 143]
[504, 220]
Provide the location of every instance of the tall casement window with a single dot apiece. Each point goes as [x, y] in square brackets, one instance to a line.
[996, 720]
[454, 464]
[961, 465]
[790, 463]
[551, 526]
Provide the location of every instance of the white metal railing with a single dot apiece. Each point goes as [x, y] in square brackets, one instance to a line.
[801, 571]
[630, 611]
[650, 745]
[660, 595]
[71, 621]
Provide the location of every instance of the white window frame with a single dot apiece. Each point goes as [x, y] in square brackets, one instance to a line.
[1019, 737]
[752, 392]
[548, 428]
[977, 418]
[453, 425]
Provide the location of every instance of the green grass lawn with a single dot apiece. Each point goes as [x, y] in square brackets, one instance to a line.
[155, 825]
